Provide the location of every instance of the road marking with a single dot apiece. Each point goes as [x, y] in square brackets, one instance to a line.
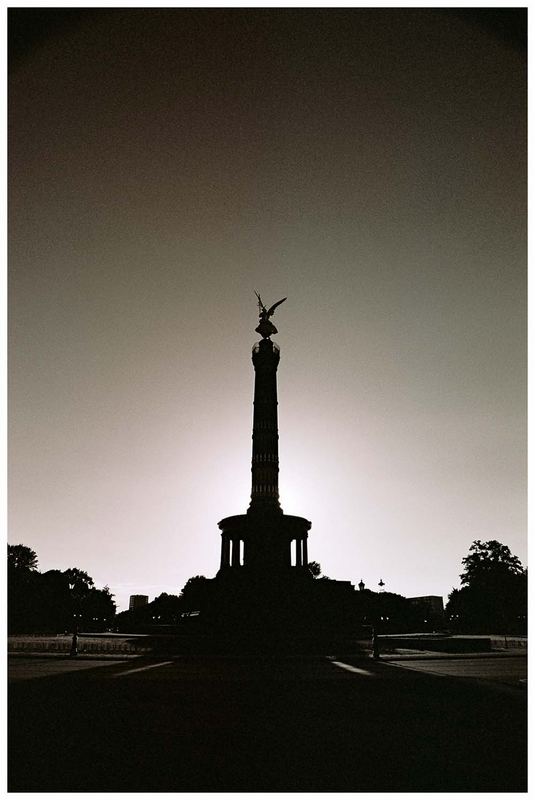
[350, 668]
[142, 669]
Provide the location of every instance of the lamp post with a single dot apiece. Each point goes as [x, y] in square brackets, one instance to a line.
[375, 636]
[74, 643]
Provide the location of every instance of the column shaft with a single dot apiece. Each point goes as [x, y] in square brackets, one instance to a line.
[298, 553]
[265, 459]
[225, 551]
[236, 552]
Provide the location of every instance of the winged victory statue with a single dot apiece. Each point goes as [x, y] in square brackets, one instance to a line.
[265, 327]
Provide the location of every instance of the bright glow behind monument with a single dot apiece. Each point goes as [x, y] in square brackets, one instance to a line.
[368, 164]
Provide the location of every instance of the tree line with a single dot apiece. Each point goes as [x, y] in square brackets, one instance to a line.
[492, 599]
[53, 601]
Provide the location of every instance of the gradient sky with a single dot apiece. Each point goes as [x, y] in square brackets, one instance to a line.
[367, 164]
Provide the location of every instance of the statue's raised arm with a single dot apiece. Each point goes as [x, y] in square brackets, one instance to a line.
[266, 328]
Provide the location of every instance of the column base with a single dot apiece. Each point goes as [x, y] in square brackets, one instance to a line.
[267, 538]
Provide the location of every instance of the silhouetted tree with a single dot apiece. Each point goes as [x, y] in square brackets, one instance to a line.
[133, 619]
[314, 568]
[20, 557]
[493, 595]
[97, 609]
[55, 600]
[195, 594]
[55, 611]
[80, 586]
[23, 588]
[488, 561]
[165, 609]
[79, 581]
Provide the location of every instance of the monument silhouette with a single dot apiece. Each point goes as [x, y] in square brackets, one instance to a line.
[262, 539]
[264, 591]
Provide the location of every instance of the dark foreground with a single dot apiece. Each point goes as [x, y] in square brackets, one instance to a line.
[261, 725]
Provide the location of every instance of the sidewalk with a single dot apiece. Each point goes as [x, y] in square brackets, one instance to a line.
[422, 655]
[361, 657]
[64, 655]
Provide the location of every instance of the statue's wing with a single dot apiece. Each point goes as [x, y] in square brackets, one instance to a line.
[274, 306]
[260, 303]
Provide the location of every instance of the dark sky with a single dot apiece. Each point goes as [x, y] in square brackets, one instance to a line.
[370, 164]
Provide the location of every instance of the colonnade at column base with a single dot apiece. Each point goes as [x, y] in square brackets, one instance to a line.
[264, 541]
[264, 596]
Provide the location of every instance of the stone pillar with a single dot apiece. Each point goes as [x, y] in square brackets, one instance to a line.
[305, 552]
[265, 460]
[298, 553]
[236, 552]
[225, 551]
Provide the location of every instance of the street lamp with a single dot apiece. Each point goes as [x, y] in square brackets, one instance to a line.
[74, 643]
[375, 635]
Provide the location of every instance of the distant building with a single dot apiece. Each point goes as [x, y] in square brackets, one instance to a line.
[138, 600]
[433, 605]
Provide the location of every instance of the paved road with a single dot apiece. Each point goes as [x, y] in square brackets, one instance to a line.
[259, 725]
[21, 669]
[510, 670]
